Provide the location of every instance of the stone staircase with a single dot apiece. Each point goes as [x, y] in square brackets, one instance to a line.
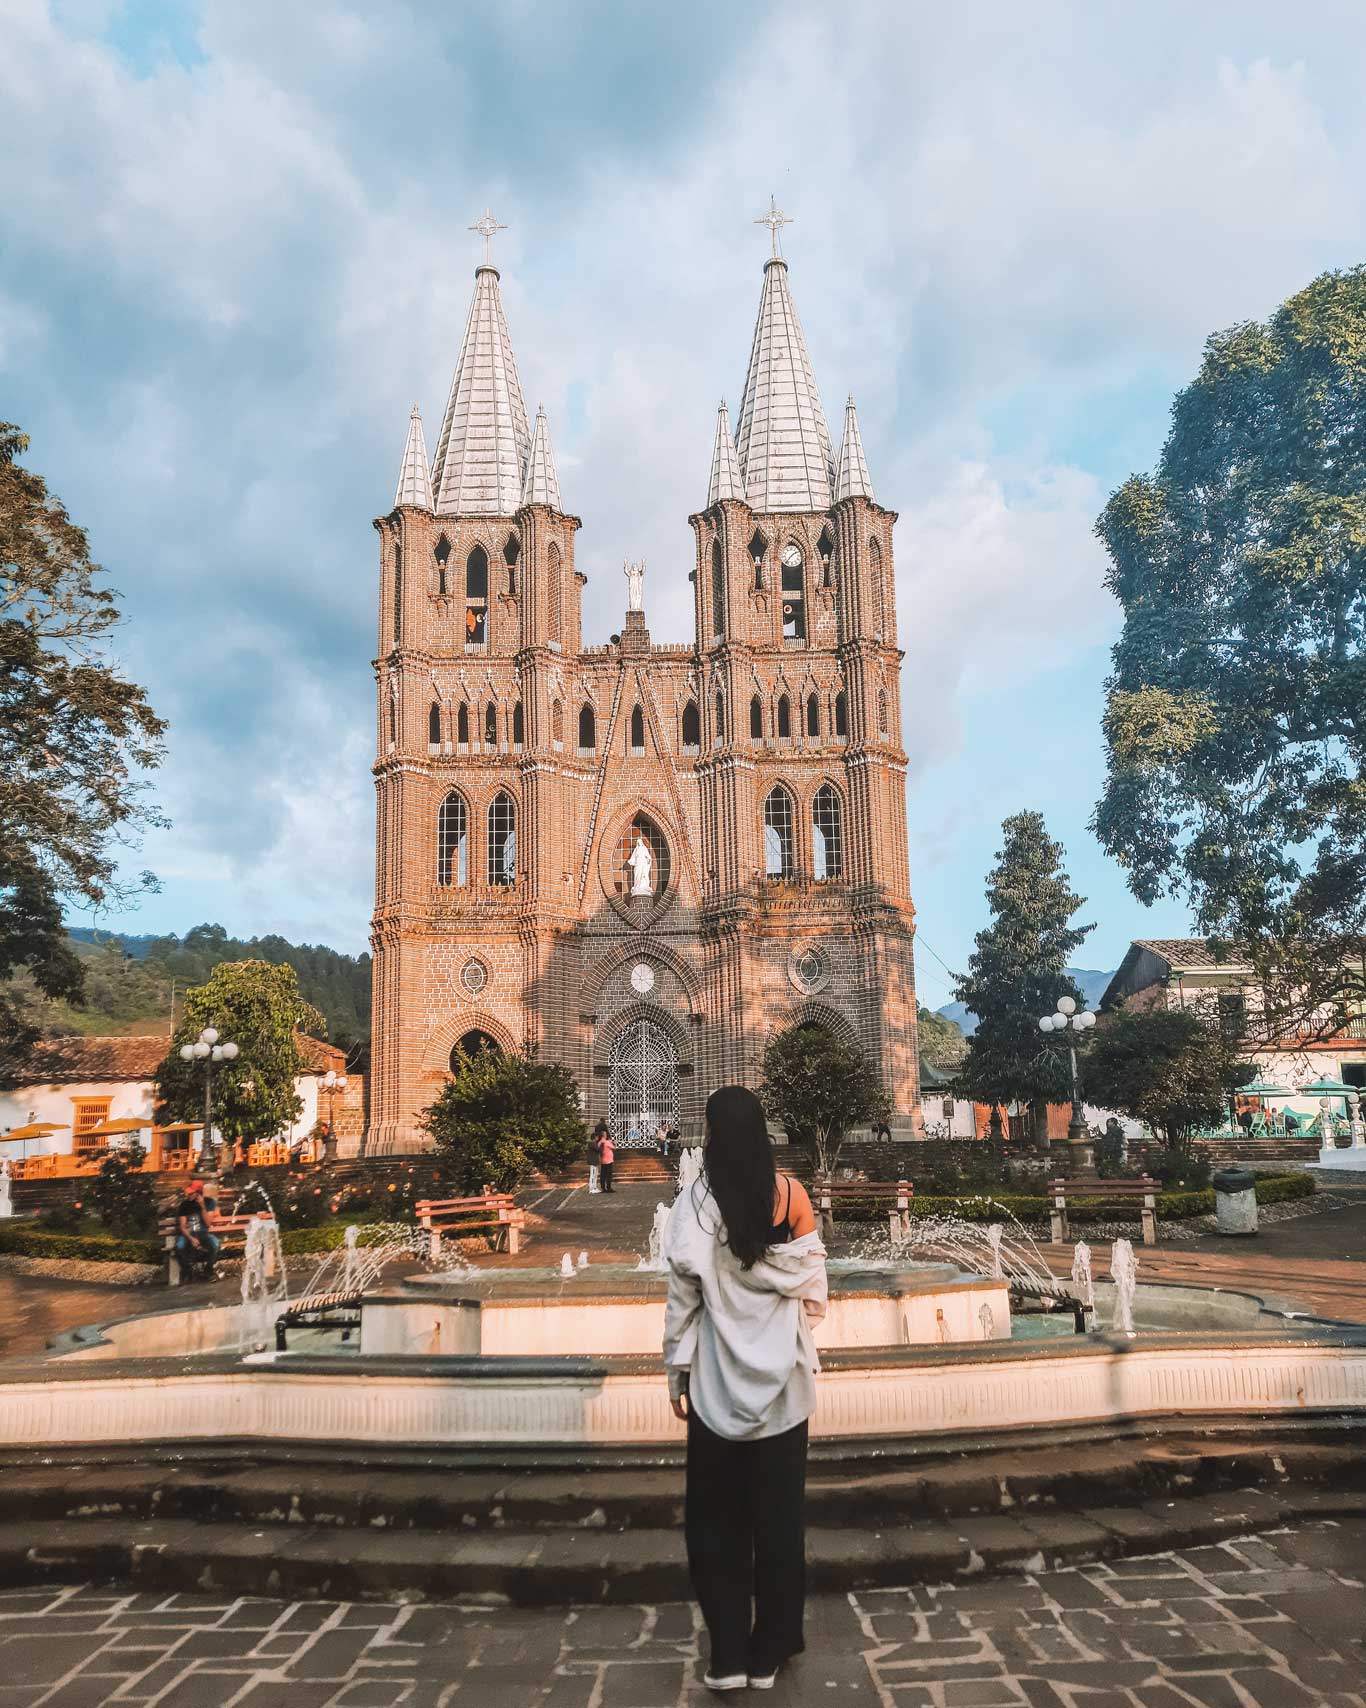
[593, 1528]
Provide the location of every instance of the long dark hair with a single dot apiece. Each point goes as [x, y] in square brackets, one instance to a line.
[740, 1172]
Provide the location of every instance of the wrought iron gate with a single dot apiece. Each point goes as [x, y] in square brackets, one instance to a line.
[643, 1090]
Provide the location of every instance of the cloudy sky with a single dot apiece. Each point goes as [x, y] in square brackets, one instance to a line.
[234, 249]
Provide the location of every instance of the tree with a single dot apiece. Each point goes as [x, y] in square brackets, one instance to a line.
[259, 1008]
[819, 1086]
[1235, 721]
[73, 735]
[123, 1196]
[502, 1118]
[941, 1040]
[1017, 971]
[1166, 1068]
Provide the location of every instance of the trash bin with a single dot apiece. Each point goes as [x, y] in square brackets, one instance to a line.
[1235, 1201]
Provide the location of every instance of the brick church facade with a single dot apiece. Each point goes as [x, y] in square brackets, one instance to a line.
[520, 772]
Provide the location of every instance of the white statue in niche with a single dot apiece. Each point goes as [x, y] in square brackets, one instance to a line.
[641, 862]
[635, 585]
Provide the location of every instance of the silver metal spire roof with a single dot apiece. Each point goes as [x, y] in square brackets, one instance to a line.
[851, 474]
[725, 465]
[783, 440]
[482, 452]
[414, 482]
[542, 485]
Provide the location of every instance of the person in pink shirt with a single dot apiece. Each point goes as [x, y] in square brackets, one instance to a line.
[607, 1153]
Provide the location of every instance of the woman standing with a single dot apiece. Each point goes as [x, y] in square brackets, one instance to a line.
[746, 1281]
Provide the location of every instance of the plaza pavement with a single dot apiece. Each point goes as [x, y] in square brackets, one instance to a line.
[1277, 1621]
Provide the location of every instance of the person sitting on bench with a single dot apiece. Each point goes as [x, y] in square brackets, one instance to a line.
[195, 1246]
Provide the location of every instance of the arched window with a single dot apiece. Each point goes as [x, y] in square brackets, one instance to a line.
[718, 591]
[473, 1043]
[794, 593]
[841, 714]
[442, 554]
[827, 835]
[653, 837]
[476, 597]
[637, 731]
[393, 717]
[518, 725]
[462, 727]
[758, 545]
[720, 717]
[778, 861]
[875, 577]
[813, 715]
[588, 729]
[756, 719]
[512, 551]
[502, 839]
[553, 592]
[784, 718]
[434, 725]
[398, 594]
[452, 842]
[557, 723]
[491, 725]
[882, 711]
[692, 727]
[825, 548]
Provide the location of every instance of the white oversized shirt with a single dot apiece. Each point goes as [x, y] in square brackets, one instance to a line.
[743, 1335]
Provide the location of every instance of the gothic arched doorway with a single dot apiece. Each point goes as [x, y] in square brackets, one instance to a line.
[471, 1044]
[643, 1090]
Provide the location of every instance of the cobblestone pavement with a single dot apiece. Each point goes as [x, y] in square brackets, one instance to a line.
[1277, 1621]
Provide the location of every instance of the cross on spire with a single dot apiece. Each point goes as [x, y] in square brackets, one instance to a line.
[486, 228]
[775, 221]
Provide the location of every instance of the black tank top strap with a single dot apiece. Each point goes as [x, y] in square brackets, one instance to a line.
[782, 1231]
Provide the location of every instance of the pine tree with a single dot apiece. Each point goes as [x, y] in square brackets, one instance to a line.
[1017, 970]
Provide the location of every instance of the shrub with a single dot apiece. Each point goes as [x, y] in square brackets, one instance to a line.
[123, 1197]
[87, 1248]
[502, 1118]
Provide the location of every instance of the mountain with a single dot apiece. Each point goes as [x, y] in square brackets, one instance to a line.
[1091, 984]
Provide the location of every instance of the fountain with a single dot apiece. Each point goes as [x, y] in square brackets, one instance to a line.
[655, 1263]
[265, 1286]
[583, 1260]
[689, 1166]
[1124, 1273]
[567, 1270]
[6, 1190]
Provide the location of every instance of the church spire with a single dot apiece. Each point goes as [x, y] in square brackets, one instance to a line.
[851, 476]
[542, 485]
[414, 482]
[725, 467]
[782, 440]
[482, 452]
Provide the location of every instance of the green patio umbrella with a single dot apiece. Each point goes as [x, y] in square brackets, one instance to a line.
[1326, 1088]
[1263, 1088]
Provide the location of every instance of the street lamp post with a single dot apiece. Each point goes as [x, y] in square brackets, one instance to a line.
[1067, 1020]
[332, 1082]
[208, 1048]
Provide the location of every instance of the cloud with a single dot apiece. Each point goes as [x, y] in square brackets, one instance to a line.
[232, 259]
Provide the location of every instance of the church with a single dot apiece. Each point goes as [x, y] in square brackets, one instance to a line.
[643, 859]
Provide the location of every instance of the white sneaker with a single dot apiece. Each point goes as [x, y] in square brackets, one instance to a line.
[763, 1680]
[729, 1681]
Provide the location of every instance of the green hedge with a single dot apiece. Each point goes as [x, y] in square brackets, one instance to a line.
[301, 1242]
[87, 1248]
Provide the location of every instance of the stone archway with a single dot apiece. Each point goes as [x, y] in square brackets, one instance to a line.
[471, 1043]
[643, 1088]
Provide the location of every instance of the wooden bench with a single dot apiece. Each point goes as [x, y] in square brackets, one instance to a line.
[891, 1196]
[497, 1210]
[1111, 1191]
[230, 1232]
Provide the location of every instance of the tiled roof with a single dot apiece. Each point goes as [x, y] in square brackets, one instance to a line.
[73, 1061]
[78, 1060]
[414, 482]
[725, 479]
[1184, 951]
[851, 472]
[542, 484]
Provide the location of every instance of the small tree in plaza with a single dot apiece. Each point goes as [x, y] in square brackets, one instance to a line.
[819, 1086]
[123, 1197]
[502, 1118]
[1166, 1068]
[1017, 971]
[259, 1007]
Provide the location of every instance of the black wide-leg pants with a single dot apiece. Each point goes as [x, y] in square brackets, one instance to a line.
[745, 1522]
